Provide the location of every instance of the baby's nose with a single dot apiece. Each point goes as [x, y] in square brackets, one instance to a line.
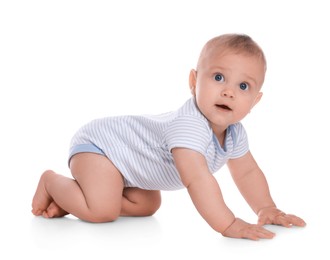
[228, 93]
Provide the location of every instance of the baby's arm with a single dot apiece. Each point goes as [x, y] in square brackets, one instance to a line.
[252, 184]
[207, 198]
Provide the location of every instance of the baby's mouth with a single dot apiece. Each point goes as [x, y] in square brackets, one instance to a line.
[224, 107]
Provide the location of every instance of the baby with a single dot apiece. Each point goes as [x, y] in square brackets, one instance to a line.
[120, 164]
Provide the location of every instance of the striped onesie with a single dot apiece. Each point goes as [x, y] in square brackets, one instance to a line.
[140, 146]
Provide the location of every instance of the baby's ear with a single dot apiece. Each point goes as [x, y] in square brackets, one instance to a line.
[192, 81]
[257, 99]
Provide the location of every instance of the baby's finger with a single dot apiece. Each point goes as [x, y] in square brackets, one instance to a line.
[283, 221]
[264, 233]
[257, 233]
[296, 221]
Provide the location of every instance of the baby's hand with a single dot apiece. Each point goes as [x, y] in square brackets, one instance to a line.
[242, 229]
[273, 215]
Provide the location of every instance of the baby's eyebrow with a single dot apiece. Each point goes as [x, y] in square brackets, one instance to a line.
[250, 78]
[219, 68]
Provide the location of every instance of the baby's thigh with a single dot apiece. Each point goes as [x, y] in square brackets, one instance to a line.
[100, 181]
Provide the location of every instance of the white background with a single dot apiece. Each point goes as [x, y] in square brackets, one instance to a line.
[63, 63]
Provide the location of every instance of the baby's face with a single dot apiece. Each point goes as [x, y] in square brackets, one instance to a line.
[227, 86]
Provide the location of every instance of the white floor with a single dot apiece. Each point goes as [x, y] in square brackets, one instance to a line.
[64, 63]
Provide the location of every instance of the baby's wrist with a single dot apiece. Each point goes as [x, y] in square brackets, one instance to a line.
[266, 208]
[229, 226]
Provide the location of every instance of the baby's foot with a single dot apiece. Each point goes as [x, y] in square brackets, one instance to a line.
[54, 211]
[41, 200]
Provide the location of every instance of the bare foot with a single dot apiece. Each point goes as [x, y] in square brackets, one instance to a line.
[41, 200]
[54, 211]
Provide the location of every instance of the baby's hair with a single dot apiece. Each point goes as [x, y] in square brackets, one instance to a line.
[239, 43]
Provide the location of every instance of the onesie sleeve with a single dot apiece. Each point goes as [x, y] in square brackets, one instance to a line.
[188, 132]
[240, 139]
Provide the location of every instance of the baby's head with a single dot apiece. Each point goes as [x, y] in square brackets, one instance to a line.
[236, 43]
[227, 81]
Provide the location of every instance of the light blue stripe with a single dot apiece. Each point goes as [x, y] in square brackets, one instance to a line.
[140, 146]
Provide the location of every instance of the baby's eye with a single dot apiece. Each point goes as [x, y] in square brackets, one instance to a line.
[219, 77]
[244, 86]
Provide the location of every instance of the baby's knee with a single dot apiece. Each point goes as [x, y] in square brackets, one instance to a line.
[153, 204]
[47, 174]
[102, 216]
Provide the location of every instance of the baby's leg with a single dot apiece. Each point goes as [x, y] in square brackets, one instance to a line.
[138, 202]
[42, 203]
[42, 200]
[94, 195]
